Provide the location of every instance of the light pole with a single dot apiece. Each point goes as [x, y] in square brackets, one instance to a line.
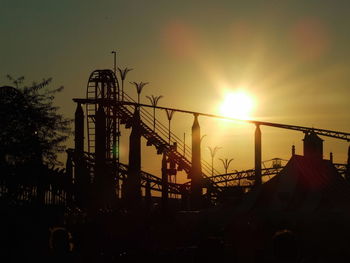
[123, 73]
[115, 61]
[212, 154]
[154, 101]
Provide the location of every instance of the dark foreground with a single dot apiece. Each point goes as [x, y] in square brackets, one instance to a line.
[33, 234]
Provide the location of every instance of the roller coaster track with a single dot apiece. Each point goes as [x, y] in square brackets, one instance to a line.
[155, 183]
[147, 179]
[250, 174]
[162, 145]
[124, 112]
[221, 180]
[163, 139]
[323, 132]
[157, 137]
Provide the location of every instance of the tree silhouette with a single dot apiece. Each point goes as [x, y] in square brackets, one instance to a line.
[31, 127]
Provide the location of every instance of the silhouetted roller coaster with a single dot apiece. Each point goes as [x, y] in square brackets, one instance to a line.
[107, 107]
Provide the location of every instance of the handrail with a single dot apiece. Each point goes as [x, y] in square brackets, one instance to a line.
[163, 130]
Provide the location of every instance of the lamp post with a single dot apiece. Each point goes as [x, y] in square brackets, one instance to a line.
[123, 73]
[213, 151]
[154, 101]
[114, 60]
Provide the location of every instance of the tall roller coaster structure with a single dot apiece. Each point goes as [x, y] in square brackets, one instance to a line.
[107, 107]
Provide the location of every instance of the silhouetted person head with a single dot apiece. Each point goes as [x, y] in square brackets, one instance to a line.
[62, 247]
[60, 241]
[285, 246]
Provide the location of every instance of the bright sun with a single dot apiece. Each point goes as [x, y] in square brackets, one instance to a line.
[238, 105]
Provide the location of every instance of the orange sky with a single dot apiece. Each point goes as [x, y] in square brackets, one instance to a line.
[291, 56]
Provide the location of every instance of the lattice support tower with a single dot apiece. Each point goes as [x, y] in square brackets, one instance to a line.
[103, 91]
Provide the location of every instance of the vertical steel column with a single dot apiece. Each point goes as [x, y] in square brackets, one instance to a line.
[347, 175]
[100, 136]
[102, 173]
[116, 134]
[165, 187]
[148, 195]
[331, 157]
[116, 157]
[81, 179]
[257, 155]
[196, 169]
[184, 197]
[69, 174]
[116, 129]
[133, 181]
[79, 130]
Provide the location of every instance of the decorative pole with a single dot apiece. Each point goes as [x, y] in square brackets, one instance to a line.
[212, 154]
[226, 163]
[169, 114]
[154, 101]
[139, 87]
[122, 73]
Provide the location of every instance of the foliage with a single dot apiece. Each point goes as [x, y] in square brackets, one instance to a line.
[31, 127]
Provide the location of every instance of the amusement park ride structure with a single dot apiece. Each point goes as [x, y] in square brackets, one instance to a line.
[107, 107]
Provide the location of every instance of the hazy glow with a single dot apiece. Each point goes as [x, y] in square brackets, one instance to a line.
[237, 105]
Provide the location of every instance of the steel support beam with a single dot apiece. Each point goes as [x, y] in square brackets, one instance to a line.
[257, 146]
[196, 169]
[133, 181]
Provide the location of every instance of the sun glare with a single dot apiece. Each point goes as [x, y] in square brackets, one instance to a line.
[238, 105]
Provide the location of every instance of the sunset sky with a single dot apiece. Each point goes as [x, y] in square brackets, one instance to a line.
[291, 57]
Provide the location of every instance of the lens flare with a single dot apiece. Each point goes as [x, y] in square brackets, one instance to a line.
[238, 105]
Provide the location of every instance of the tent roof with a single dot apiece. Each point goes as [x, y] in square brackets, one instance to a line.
[304, 185]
